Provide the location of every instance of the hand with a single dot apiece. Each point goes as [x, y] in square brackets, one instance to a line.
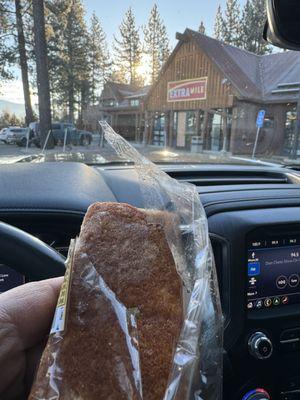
[26, 314]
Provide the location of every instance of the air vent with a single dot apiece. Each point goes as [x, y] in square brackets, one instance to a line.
[221, 255]
[230, 177]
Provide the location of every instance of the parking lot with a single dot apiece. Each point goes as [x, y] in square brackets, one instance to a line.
[10, 153]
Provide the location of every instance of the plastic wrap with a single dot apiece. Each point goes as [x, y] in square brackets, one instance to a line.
[196, 358]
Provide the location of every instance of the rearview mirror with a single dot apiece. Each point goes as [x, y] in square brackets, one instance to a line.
[283, 26]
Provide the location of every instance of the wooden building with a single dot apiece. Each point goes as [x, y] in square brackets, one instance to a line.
[208, 95]
[122, 106]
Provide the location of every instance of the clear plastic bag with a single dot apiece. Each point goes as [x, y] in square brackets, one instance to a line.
[196, 364]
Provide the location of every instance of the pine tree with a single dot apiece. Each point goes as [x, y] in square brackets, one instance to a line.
[219, 24]
[156, 42]
[128, 48]
[253, 21]
[7, 52]
[56, 23]
[99, 59]
[68, 53]
[40, 47]
[29, 117]
[232, 23]
[201, 28]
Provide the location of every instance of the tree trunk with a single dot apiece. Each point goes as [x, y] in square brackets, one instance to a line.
[29, 117]
[42, 72]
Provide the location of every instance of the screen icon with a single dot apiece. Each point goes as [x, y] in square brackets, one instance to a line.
[250, 305]
[281, 282]
[276, 301]
[259, 304]
[294, 280]
[252, 281]
[253, 269]
[268, 302]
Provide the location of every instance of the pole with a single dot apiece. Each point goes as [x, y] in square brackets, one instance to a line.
[46, 141]
[255, 144]
[65, 140]
[27, 139]
[297, 132]
[225, 127]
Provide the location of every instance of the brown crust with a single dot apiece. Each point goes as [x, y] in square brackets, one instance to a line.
[128, 248]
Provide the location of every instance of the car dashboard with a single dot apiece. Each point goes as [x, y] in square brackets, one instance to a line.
[254, 224]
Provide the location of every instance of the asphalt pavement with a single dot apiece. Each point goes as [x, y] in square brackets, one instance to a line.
[10, 153]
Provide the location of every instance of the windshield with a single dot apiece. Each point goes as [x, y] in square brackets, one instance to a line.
[184, 82]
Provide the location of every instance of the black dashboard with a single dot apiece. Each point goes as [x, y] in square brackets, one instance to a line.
[254, 223]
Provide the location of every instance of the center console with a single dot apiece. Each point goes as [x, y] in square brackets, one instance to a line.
[261, 251]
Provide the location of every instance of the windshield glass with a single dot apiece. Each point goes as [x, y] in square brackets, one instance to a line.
[184, 82]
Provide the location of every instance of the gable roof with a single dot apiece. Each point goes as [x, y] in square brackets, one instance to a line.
[123, 93]
[254, 77]
[117, 90]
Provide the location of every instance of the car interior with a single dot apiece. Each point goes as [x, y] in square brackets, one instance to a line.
[253, 214]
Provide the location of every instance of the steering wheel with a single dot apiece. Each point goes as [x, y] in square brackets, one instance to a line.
[28, 255]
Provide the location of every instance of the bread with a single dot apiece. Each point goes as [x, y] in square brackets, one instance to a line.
[128, 249]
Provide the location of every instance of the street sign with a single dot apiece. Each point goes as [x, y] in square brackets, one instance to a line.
[259, 123]
[260, 118]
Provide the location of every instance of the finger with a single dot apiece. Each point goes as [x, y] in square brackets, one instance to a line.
[30, 308]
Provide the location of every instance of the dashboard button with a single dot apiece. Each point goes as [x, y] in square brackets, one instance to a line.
[260, 346]
[281, 282]
[257, 394]
[294, 280]
[285, 300]
[276, 301]
[268, 302]
[259, 304]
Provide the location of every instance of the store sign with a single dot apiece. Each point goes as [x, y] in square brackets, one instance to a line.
[188, 90]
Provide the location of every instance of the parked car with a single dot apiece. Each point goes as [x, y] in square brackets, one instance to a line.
[12, 134]
[74, 136]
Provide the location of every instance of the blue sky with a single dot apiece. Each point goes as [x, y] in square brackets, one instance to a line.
[177, 15]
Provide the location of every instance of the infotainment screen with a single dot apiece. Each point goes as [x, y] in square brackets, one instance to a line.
[273, 273]
[9, 278]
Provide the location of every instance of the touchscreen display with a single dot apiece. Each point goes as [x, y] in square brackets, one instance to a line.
[273, 273]
[9, 278]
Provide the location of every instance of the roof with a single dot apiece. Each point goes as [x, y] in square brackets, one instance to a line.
[122, 93]
[254, 77]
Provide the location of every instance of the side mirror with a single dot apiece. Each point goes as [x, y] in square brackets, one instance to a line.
[283, 26]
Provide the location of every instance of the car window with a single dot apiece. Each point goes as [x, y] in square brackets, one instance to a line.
[181, 82]
[56, 126]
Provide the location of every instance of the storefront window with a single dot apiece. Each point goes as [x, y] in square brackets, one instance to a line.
[191, 123]
[159, 134]
[218, 130]
[290, 131]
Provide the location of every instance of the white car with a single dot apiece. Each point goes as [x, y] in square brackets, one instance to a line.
[11, 134]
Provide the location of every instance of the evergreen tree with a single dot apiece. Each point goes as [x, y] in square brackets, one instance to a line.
[201, 28]
[40, 47]
[128, 48]
[232, 23]
[253, 21]
[56, 22]
[219, 24]
[29, 117]
[7, 52]
[99, 59]
[68, 53]
[156, 42]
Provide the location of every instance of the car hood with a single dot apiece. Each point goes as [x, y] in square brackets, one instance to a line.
[161, 157]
